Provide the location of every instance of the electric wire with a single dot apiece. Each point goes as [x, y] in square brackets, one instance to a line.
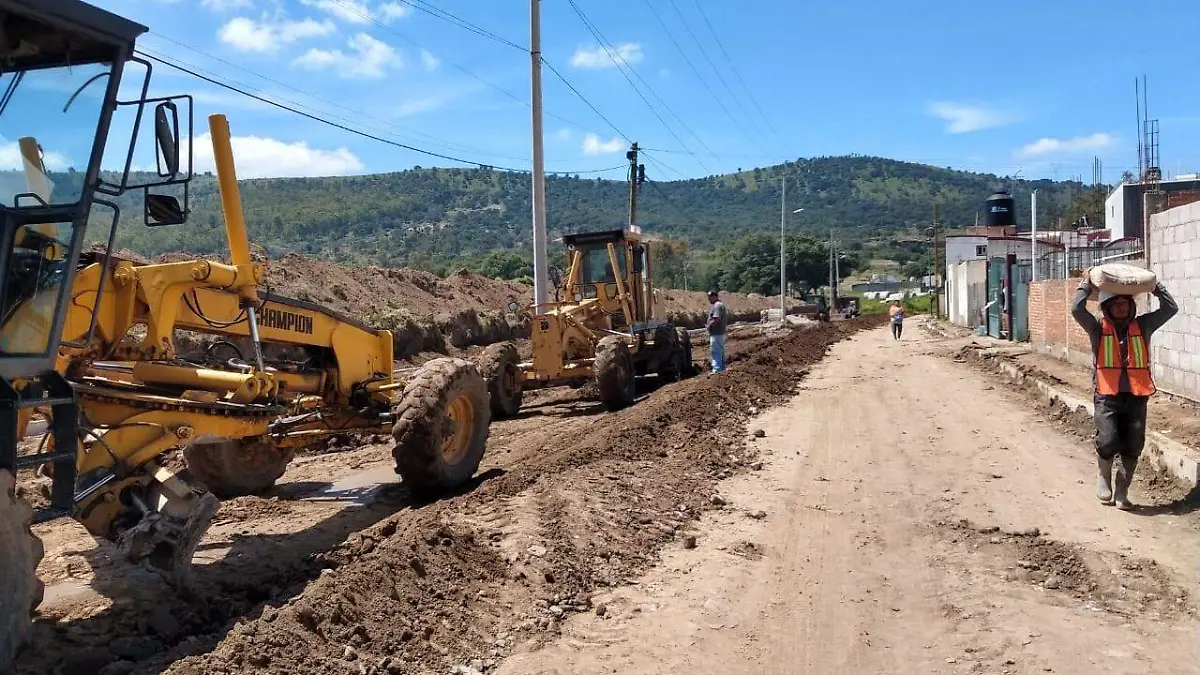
[696, 71]
[720, 77]
[369, 17]
[432, 10]
[614, 55]
[357, 132]
[440, 141]
[733, 67]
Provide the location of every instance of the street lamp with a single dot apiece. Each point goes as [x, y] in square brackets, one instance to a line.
[782, 254]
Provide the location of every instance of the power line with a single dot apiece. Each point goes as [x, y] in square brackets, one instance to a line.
[370, 17]
[422, 6]
[720, 78]
[613, 54]
[733, 67]
[435, 139]
[357, 132]
[659, 162]
[692, 66]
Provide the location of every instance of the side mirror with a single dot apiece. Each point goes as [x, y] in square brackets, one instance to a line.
[163, 210]
[555, 276]
[166, 138]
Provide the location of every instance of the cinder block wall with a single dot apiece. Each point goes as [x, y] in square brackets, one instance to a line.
[1175, 257]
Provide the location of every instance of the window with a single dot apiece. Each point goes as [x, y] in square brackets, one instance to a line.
[981, 251]
[597, 268]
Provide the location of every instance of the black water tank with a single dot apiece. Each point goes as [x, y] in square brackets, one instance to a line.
[999, 211]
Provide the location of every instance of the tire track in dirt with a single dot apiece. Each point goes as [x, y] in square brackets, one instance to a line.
[436, 586]
[265, 550]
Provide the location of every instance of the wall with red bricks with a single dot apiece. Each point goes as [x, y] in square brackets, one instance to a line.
[1051, 328]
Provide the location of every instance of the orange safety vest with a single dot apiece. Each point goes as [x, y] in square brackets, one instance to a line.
[1136, 365]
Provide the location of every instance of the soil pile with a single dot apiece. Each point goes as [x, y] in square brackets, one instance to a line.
[459, 581]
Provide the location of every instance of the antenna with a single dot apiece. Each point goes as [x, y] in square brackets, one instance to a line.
[1137, 101]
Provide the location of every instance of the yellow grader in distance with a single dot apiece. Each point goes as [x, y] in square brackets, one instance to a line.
[605, 330]
[111, 401]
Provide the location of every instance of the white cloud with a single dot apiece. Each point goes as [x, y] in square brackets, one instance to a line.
[594, 57]
[962, 118]
[350, 11]
[261, 157]
[430, 61]
[368, 58]
[11, 159]
[390, 11]
[592, 145]
[1055, 146]
[248, 35]
[225, 5]
[563, 134]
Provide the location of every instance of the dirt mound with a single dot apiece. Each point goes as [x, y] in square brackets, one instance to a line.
[428, 314]
[460, 580]
[1117, 583]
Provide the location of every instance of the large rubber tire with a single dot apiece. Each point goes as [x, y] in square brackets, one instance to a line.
[500, 366]
[614, 373]
[687, 366]
[236, 468]
[441, 427]
[20, 589]
[671, 362]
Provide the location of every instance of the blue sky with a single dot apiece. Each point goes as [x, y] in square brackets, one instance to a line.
[1037, 88]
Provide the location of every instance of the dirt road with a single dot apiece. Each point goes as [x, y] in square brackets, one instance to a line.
[910, 517]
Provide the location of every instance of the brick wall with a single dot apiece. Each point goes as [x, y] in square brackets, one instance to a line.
[1051, 328]
[1175, 258]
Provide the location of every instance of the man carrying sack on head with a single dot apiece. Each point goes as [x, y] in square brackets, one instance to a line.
[1121, 378]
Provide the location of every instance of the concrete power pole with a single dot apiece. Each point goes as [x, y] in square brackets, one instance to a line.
[782, 253]
[1033, 240]
[632, 156]
[832, 292]
[540, 277]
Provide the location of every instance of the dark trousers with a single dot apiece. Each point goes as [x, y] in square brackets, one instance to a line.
[897, 329]
[1120, 425]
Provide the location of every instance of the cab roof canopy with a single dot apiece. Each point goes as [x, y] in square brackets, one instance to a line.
[601, 237]
[47, 33]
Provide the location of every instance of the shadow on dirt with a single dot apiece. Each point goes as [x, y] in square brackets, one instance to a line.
[129, 616]
[1188, 503]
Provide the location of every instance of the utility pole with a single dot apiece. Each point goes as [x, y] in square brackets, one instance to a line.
[636, 176]
[1034, 240]
[937, 287]
[540, 277]
[832, 292]
[782, 254]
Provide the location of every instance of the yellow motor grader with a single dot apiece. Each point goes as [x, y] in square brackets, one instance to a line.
[93, 389]
[601, 327]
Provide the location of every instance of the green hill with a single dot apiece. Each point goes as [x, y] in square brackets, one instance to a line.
[721, 230]
[442, 214]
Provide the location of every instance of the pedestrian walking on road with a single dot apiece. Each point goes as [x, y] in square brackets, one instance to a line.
[717, 319]
[896, 312]
[1123, 385]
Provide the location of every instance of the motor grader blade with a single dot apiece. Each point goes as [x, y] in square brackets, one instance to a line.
[164, 541]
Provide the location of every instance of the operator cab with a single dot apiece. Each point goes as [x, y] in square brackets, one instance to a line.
[595, 278]
[61, 67]
[63, 62]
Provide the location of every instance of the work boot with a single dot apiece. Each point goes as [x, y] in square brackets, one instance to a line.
[1104, 488]
[1125, 469]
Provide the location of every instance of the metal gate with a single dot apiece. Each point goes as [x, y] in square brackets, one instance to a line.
[1021, 273]
[995, 286]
